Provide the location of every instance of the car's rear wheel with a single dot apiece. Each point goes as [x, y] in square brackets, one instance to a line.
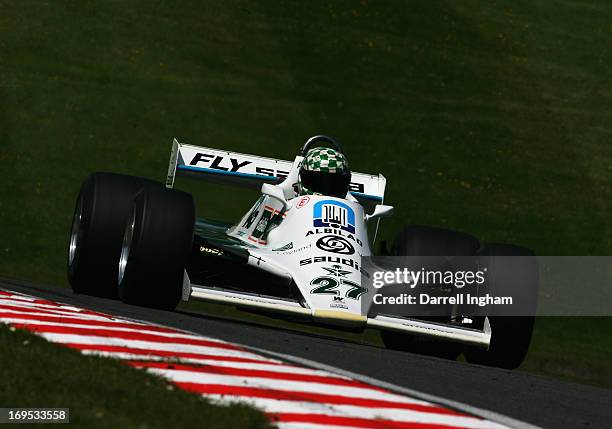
[514, 273]
[101, 211]
[157, 242]
[423, 241]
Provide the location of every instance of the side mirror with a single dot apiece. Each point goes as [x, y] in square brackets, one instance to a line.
[274, 192]
[379, 212]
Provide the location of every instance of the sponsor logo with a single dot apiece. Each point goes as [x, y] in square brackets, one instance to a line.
[302, 202]
[336, 270]
[211, 251]
[333, 259]
[298, 250]
[218, 162]
[233, 165]
[272, 173]
[287, 246]
[338, 302]
[337, 232]
[335, 244]
[333, 214]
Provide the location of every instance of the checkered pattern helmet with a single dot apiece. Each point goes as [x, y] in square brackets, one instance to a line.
[324, 171]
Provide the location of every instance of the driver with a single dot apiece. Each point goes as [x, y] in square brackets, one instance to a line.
[324, 171]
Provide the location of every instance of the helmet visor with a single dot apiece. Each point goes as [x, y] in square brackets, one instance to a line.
[332, 184]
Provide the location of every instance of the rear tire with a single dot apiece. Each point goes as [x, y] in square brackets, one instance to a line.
[101, 211]
[510, 335]
[156, 246]
[417, 240]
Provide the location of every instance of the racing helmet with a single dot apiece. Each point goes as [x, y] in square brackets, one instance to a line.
[324, 171]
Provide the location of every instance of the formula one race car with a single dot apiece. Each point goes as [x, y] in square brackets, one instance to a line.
[296, 253]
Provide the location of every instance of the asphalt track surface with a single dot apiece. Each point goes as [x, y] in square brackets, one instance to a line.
[532, 399]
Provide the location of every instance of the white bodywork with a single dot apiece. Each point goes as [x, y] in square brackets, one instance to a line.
[303, 235]
[315, 241]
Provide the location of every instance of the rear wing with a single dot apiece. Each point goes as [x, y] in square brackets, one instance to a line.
[251, 171]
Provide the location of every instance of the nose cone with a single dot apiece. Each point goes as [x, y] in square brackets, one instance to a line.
[339, 318]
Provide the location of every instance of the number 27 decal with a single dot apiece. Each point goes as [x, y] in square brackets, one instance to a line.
[329, 286]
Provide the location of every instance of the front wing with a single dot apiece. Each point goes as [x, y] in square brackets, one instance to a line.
[468, 336]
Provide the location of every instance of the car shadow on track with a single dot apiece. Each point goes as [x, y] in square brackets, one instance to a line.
[301, 330]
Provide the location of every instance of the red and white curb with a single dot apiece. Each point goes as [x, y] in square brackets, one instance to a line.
[293, 396]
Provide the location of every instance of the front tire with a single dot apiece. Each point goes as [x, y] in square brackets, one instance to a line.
[157, 242]
[515, 273]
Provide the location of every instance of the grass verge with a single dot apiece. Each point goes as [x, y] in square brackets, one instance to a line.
[103, 393]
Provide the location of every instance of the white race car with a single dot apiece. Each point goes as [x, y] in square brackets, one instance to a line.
[291, 255]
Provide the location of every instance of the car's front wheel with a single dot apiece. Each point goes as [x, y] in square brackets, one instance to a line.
[156, 245]
[513, 273]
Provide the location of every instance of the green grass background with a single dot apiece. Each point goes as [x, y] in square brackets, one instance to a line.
[488, 117]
